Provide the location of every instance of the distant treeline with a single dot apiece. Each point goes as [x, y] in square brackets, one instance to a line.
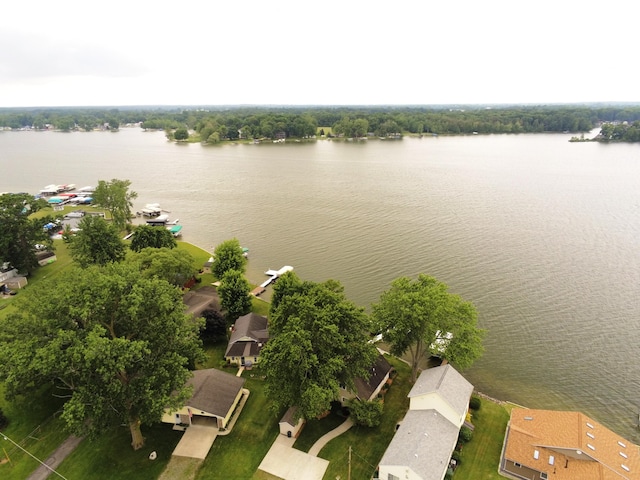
[230, 123]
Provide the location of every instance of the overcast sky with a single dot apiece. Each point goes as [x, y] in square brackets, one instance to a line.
[346, 52]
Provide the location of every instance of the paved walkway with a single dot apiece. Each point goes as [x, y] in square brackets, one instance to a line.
[56, 458]
[284, 461]
[323, 440]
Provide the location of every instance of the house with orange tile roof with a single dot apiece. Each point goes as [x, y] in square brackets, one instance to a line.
[560, 445]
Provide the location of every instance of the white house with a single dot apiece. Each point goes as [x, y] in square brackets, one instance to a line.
[422, 446]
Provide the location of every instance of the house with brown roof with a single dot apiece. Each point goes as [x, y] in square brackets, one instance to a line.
[423, 443]
[561, 445]
[367, 389]
[248, 336]
[216, 395]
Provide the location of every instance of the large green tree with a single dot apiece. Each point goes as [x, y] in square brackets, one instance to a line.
[155, 237]
[174, 265]
[422, 317]
[115, 197]
[228, 256]
[97, 243]
[234, 294]
[117, 344]
[19, 232]
[317, 343]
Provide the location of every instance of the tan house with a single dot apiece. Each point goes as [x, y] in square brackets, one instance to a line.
[560, 445]
[216, 395]
[422, 445]
[248, 336]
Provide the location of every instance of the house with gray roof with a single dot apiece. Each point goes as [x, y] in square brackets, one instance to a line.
[248, 336]
[215, 395]
[422, 446]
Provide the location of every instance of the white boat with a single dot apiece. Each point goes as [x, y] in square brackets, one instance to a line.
[159, 220]
[49, 190]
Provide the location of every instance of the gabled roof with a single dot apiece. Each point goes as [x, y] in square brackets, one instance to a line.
[423, 443]
[377, 373]
[448, 383]
[248, 328]
[580, 446]
[214, 391]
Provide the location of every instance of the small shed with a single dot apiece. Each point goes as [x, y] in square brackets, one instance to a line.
[291, 423]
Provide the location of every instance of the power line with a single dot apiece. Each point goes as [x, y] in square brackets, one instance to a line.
[32, 456]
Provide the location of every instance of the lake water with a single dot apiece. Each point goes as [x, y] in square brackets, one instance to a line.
[542, 235]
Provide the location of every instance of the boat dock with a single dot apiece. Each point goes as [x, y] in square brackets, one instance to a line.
[273, 276]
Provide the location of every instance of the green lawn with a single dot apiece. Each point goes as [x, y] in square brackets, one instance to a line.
[314, 429]
[34, 426]
[481, 456]
[110, 457]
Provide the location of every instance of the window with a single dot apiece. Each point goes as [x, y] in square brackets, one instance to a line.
[517, 464]
[536, 454]
[391, 476]
[551, 459]
[543, 476]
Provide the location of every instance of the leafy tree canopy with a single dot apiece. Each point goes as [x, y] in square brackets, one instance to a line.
[97, 243]
[155, 237]
[115, 197]
[174, 265]
[228, 256]
[19, 233]
[117, 344]
[317, 343]
[234, 294]
[422, 317]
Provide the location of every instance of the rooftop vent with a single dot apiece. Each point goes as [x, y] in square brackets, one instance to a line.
[625, 467]
[622, 454]
[591, 446]
[589, 425]
[622, 444]
[528, 418]
[590, 435]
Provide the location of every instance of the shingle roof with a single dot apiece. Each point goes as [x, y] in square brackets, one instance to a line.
[250, 328]
[377, 374]
[214, 391]
[448, 383]
[581, 447]
[423, 443]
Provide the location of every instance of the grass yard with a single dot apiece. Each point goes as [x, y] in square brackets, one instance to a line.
[481, 456]
[110, 457]
[314, 429]
[34, 426]
[368, 444]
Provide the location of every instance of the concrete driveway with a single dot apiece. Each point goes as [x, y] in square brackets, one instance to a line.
[197, 439]
[290, 464]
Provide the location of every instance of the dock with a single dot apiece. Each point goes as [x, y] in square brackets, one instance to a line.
[273, 276]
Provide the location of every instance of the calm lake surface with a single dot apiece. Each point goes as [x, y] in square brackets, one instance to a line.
[542, 235]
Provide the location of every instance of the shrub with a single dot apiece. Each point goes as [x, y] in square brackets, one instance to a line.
[4, 421]
[475, 403]
[368, 414]
[466, 434]
[457, 457]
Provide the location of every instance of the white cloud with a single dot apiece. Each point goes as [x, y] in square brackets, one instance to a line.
[287, 52]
